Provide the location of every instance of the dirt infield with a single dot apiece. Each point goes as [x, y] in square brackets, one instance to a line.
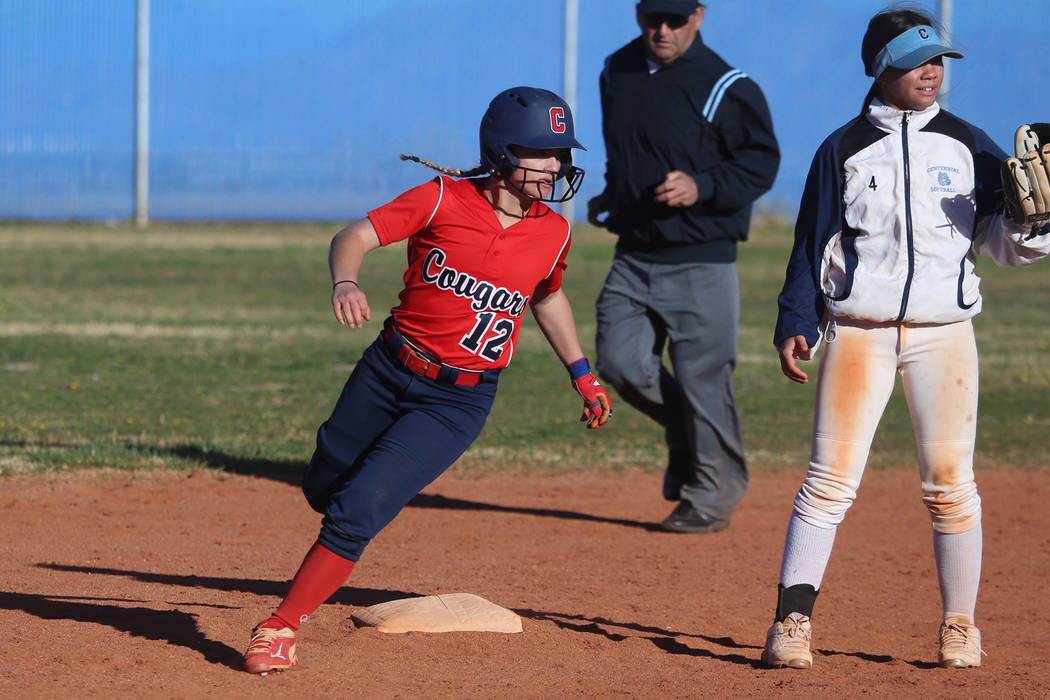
[146, 585]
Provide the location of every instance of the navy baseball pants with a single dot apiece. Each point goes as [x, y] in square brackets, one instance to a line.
[391, 433]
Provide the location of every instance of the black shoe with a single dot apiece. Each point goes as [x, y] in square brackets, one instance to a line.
[684, 518]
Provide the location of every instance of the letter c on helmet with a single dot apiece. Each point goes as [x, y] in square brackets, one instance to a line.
[558, 120]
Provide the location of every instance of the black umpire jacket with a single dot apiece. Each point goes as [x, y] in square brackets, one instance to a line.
[698, 115]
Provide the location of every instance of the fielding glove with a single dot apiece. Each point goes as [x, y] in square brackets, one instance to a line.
[597, 406]
[1026, 178]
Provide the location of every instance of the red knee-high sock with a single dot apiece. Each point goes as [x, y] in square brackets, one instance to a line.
[320, 575]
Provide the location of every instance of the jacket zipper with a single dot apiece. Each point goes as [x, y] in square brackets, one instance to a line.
[907, 217]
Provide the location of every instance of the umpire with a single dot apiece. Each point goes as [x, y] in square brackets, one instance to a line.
[690, 147]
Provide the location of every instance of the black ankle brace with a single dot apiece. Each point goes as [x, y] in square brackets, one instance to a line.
[798, 598]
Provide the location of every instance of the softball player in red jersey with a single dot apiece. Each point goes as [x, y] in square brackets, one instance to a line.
[480, 251]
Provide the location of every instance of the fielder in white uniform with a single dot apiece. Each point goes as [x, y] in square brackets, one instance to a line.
[897, 204]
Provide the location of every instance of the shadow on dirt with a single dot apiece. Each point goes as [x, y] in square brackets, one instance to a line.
[674, 646]
[438, 501]
[290, 471]
[667, 640]
[172, 626]
[924, 665]
[180, 628]
[874, 658]
[347, 595]
[282, 470]
[674, 642]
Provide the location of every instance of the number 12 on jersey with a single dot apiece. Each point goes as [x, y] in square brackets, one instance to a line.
[486, 338]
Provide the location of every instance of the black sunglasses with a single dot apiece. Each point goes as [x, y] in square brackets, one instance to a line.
[653, 20]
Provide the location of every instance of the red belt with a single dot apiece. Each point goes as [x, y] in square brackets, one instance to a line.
[419, 363]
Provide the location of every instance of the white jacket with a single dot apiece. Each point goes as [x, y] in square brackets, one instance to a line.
[896, 207]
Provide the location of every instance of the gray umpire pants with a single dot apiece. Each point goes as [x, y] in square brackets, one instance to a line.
[692, 310]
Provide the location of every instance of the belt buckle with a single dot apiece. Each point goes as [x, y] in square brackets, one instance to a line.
[422, 362]
[427, 364]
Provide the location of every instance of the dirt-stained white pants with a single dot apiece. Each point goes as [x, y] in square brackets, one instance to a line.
[938, 368]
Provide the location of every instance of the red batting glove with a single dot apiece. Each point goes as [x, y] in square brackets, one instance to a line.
[597, 406]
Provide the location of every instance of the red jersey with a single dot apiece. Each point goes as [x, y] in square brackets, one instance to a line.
[469, 280]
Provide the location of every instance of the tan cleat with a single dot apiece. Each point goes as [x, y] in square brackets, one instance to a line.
[271, 649]
[960, 644]
[787, 643]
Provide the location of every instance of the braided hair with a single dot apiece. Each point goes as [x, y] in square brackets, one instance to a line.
[478, 170]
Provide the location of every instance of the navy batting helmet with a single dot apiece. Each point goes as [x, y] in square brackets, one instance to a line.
[532, 118]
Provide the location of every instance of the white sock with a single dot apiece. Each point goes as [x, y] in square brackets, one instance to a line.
[807, 549]
[958, 570]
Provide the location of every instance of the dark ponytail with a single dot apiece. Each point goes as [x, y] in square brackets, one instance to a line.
[872, 92]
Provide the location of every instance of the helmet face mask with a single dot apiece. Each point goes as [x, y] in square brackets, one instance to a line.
[531, 118]
[567, 174]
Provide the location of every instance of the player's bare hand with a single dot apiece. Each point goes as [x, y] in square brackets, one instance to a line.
[350, 305]
[791, 349]
[596, 206]
[677, 190]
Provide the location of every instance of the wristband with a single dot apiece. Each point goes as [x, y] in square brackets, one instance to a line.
[344, 282]
[578, 368]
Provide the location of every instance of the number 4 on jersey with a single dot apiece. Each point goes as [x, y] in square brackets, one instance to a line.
[872, 184]
[491, 349]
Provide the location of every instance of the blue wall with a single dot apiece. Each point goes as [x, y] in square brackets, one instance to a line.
[273, 109]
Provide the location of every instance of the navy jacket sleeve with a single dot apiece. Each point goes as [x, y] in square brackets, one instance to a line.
[988, 159]
[752, 155]
[820, 215]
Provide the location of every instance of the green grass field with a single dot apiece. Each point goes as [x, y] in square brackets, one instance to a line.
[213, 346]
